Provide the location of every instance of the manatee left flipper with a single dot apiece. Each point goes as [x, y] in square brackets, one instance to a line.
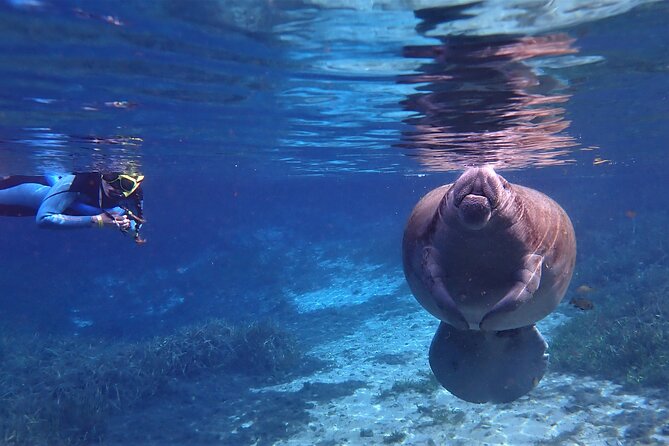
[527, 282]
[488, 366]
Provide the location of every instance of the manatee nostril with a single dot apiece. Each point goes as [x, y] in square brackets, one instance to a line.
[491, 191]
[460, 193]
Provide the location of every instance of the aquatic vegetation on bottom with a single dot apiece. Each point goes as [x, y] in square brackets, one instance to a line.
[394, 437]
[366, 433]
[62, 391]
[566, 437]
[625, 338]
[226, 409]
[258, 348]
[441, 416]
[391, 358]
[425, 385]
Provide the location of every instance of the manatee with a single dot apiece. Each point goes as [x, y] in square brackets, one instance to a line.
[488, 259]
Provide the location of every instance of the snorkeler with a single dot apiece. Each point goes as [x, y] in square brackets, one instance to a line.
[77, 200]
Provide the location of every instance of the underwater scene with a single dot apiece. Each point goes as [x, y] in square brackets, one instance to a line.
[334, 222]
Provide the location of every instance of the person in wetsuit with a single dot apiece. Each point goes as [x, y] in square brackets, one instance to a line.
[76, 200]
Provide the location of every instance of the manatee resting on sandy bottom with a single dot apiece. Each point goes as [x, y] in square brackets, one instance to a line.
[489, 259]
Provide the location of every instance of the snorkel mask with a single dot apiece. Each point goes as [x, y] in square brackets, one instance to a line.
[125, 184]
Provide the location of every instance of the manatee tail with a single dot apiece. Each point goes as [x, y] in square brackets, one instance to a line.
[488, 366]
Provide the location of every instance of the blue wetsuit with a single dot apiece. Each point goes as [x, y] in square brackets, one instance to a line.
[56, 201]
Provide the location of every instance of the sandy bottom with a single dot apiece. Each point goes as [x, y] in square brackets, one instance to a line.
[372, 385]
[399, 402]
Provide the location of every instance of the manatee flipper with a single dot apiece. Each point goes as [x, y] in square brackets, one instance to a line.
[527, 282]
[488, 366]
[432, 277]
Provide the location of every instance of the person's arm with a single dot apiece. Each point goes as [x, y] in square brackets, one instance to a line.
[58, 199]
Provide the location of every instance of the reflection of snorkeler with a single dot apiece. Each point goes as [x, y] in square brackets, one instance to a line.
[77, 200]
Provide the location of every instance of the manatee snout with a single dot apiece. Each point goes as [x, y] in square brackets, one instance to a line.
[475, 195]
[474, 211]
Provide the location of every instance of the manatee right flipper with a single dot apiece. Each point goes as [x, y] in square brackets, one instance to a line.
[488, 366]
[527, 282]
[432, 277]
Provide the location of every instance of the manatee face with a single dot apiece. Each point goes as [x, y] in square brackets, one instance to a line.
[475, 196]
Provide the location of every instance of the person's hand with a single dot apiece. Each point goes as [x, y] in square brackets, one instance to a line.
[120, 221]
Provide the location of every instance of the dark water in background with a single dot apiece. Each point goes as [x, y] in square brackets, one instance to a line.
[266, 129]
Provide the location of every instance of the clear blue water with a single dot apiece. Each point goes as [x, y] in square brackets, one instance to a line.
[278, 136]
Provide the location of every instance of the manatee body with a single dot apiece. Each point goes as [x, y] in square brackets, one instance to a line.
[489, 259]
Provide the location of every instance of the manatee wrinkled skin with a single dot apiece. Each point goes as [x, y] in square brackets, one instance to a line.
[489, 259]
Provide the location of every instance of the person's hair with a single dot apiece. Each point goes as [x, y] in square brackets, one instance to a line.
[111, 176]
[138, 197]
